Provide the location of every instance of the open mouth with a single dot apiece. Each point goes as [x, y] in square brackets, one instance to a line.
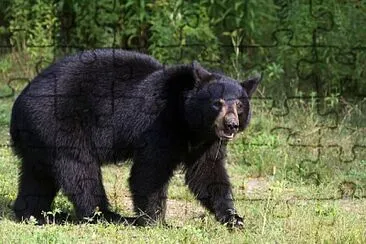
[225, 135]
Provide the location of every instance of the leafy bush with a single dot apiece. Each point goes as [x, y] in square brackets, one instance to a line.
[299, 46]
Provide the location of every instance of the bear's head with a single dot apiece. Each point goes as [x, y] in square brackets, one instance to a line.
[218, 107]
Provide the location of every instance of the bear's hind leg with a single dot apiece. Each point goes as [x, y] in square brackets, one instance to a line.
[37, 189]
[82, 183]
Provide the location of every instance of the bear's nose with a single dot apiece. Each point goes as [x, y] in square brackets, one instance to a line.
[231, 123]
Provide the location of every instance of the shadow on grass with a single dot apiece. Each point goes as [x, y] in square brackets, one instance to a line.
[61, 217]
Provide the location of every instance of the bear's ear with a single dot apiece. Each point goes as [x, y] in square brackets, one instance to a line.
[201, 75]
[251, 84]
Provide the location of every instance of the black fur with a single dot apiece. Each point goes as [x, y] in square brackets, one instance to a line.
[110, 105]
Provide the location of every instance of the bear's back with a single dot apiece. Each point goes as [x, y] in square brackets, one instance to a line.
[80, 92]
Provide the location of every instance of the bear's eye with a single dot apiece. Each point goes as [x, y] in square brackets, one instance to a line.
[239, 107]
[217, 104]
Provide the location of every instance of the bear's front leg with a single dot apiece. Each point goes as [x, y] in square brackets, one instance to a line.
[208, 180]
[149, 179]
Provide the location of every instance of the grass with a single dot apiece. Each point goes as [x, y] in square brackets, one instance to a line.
[289, 190]
[278, 218]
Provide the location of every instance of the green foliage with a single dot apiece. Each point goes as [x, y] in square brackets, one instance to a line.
[238, 37]
[33, 26]
[181, 33]
[88, 24]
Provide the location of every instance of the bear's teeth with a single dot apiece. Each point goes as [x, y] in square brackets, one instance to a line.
[229, 135]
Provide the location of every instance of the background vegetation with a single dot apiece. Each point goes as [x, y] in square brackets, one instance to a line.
[299, 171]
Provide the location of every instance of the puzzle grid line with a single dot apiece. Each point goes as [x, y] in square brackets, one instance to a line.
[347, 57]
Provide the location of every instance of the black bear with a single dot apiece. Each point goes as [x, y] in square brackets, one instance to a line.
[110, 105]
